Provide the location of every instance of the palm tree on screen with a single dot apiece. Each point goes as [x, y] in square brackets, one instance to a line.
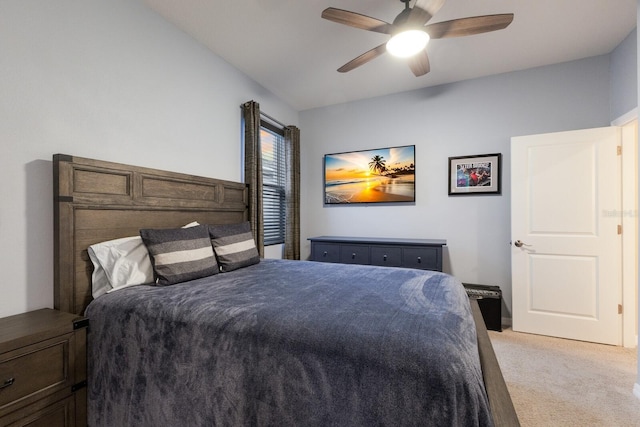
[377, 164]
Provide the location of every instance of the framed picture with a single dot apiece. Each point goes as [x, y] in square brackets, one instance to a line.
[475, 175]
[381, 175]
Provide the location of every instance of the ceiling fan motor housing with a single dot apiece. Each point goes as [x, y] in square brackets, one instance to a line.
[402, 16]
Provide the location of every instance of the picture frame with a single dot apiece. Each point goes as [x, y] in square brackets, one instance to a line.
[379, 176]
[475, 175]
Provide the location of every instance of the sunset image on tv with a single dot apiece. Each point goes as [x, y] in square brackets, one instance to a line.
[383, 175]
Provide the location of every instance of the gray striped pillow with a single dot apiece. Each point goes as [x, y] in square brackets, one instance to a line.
[180, 254]
[234, 246]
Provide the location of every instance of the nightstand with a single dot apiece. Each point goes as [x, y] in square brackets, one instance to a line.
[43, 369]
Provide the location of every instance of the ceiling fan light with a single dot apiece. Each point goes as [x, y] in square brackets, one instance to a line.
[407, 43]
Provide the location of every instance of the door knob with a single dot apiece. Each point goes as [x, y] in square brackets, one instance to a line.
[519, 244]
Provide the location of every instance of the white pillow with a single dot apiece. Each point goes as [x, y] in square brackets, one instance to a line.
[120, 263]
[99, 280]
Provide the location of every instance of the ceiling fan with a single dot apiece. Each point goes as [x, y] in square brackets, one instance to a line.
[409, 25]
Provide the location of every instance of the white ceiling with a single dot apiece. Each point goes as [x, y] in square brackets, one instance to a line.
[289, 49]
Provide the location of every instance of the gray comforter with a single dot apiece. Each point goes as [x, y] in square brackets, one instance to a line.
[288, 343]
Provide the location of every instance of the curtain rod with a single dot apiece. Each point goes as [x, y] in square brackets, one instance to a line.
[272, 119]
[263, 114]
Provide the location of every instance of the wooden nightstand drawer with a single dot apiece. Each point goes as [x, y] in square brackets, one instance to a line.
[31, 372]
[43, 369]
[58, 414]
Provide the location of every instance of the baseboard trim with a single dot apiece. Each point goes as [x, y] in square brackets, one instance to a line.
[636, 390]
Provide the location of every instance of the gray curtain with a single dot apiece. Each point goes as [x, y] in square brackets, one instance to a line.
[253, 170]
[292, 193]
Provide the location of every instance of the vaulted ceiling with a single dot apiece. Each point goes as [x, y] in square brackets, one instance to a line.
[289, 49]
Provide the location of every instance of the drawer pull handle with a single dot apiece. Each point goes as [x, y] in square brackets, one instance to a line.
[419, 260]
[325, 253]
[384, 257]
[7, 383]
[353, 255]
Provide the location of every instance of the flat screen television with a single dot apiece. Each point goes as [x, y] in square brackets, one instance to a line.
[384, 175]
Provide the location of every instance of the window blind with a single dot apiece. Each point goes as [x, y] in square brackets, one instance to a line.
[273, 183]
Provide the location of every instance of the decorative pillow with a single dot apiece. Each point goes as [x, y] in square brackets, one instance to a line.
[180, 254]
[120, 263]
[234, 246]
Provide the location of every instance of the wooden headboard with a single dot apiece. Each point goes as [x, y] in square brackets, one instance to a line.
[95, 201]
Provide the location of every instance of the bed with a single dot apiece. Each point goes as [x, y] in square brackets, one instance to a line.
[273, 343]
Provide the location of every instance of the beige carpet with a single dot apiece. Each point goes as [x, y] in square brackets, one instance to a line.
[558, 382]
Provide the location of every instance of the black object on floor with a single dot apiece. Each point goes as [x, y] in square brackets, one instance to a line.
[490, 302]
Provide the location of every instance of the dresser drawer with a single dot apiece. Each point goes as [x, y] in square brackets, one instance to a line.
[32, 372]
[326, 252]
[386, 256]
[422, 258]
[354, 254]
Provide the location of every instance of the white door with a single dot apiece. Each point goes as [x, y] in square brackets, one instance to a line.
[566, 247]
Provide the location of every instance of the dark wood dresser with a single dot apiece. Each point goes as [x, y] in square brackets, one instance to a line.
[425, 254]
[43, 369]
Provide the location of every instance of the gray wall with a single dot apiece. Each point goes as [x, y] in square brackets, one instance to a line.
[472, 117]
[624, 76]
[105, 79]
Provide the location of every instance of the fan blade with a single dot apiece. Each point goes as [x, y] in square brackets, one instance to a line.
[419, 63]
[356, 20]
[469, 26]
[423, 11]
[364, 58]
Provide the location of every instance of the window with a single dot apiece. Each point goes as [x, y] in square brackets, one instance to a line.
[273, 182]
